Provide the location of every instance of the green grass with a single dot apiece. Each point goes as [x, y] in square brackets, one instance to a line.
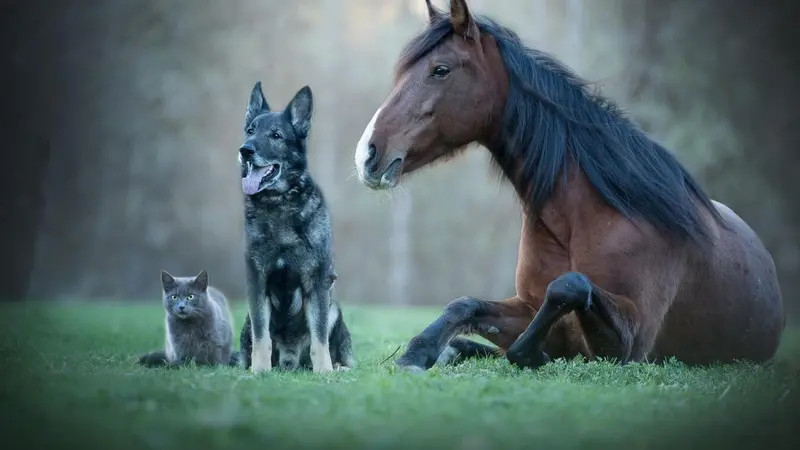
[70, 380]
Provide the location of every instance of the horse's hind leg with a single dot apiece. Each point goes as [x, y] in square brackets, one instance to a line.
[608, 321]
[498, 322]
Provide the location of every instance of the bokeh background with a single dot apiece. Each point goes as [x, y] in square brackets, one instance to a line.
[122, 122]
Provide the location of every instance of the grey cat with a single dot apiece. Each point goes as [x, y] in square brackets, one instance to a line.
[198, 324]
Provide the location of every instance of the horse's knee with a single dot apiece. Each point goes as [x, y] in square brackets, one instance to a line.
[572, 290]
[462, 308]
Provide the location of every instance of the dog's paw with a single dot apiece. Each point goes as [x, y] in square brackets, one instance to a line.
[341, 368]
[260, 368]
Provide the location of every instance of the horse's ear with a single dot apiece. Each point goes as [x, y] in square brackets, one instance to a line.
[257, 105]
[300, 110]
[463, 22]
[434, 13]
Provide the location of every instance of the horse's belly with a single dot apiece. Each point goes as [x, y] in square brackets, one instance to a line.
[731, 308]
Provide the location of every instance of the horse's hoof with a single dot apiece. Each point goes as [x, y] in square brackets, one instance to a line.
[420, 353]
[532, 362]
[410, 368]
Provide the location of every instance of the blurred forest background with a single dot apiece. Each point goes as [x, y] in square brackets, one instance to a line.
[123, 118]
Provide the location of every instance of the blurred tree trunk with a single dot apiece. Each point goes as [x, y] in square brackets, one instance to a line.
[400, 243]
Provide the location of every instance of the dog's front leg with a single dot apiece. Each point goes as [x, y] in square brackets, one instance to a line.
[317, 309]
[259, 318]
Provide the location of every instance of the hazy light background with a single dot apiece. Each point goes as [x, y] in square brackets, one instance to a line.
[148, 98]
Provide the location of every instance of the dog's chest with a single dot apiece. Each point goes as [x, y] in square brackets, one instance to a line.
[287, 238]
[284, 289]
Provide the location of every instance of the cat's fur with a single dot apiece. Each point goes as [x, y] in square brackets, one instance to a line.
[293, 320]
[199, 326]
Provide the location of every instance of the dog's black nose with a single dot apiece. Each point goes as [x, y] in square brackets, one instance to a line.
[247, 150]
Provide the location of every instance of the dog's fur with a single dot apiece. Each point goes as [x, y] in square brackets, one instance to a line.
[293, 320]
[199, 326]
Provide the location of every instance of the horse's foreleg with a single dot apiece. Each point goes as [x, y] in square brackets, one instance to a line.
[608, 321]
[498, 322]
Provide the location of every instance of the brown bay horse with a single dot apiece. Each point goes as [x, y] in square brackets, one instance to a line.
[622, 255]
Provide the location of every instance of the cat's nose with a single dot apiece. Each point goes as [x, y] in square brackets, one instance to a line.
[181, 307]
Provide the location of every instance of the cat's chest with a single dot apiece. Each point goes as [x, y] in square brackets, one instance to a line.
[191, 335]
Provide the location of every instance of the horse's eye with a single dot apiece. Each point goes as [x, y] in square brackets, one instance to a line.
[250, 131]
[440, 71]
[276, 135]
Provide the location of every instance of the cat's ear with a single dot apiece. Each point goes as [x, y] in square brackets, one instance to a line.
[167, 280]
[201, 281]
[256, 106]
[300, 110]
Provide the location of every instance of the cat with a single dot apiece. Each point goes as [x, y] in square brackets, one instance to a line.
[199, 326]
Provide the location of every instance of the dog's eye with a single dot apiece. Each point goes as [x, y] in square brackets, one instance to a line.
[440, 71]
[250, 131]
[174, 297]
[190, 297]
[276, 135]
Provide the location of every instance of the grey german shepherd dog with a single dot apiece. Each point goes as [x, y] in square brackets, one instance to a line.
[293, 321]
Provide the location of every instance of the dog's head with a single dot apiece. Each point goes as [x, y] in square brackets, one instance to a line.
[273, 154]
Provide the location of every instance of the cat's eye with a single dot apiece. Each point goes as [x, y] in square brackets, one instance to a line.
[190, 297]
[174, 297]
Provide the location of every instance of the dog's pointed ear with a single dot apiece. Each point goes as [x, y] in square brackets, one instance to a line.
[300, 110]
[434, 13]
[201, 280]
[463, 23]
[257, 105]
[167, 280]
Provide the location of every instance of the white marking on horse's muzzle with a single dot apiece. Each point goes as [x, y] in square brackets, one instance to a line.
[362, 148]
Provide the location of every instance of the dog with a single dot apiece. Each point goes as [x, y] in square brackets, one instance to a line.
[293, 320]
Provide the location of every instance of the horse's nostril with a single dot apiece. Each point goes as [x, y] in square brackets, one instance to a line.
[372, 158]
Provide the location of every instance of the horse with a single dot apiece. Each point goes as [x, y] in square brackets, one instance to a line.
[622, 255]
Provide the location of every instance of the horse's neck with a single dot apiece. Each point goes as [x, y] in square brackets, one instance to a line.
[575, 206]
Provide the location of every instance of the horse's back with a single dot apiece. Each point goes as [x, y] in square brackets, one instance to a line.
[731, 306]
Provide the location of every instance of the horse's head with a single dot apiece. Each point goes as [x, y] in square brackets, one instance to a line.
[449, 91]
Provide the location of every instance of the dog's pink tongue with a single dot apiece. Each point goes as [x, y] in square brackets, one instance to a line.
[251, 182]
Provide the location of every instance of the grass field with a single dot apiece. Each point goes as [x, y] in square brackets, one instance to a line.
[70, 381]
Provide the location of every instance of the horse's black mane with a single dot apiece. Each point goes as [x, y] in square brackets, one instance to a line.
[552, 117]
